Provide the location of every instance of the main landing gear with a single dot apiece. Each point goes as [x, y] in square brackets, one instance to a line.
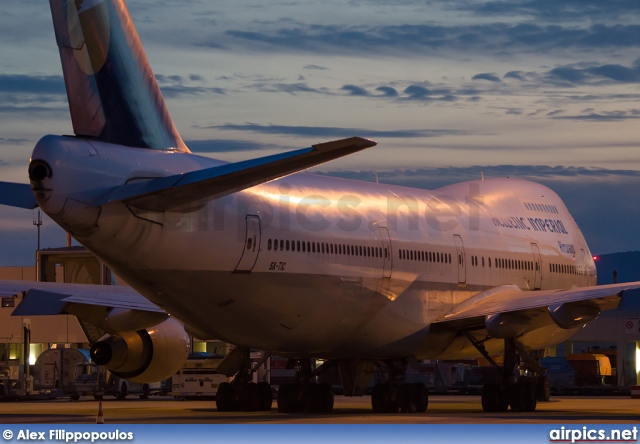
[242, 394]
[305, 395]
[394, 395]
[521, 393]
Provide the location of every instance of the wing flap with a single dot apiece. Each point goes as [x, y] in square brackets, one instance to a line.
[170, 192]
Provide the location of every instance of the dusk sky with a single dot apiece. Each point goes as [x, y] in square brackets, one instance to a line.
[544, 90]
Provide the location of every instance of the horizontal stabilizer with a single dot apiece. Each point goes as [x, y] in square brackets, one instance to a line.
[107, 307]
[50, 298]
[170, 192]
[17, 195]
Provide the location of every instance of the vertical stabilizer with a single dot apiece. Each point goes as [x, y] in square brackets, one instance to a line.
[113, 95]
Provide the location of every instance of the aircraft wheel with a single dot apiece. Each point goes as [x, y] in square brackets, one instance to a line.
[522, 395]
[225, 397]
[312, 398]
[543, 388]
[420, 396]
[289, 399]
[384, 398]
[494, 398]
[530, 395]
[406, 399]
[325, 397]
[266, 398]
[250, 397]
[122, 394]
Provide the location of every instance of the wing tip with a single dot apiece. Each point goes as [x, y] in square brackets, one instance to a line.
[353, 143]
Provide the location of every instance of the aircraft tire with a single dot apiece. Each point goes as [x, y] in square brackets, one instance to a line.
[266, 397]
[494, 398]
[406, 399]
[421, 397]
[225, 397]
[384, 398]
[543, 388]
[289, 399]
[250, 397]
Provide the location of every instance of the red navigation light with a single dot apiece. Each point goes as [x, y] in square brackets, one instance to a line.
[595, 258]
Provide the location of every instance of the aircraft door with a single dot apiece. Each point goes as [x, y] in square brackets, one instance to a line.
[386, 253]
[462, 270]
[251, 244]
[537, 267]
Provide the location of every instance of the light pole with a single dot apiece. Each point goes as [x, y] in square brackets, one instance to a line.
[37, 221]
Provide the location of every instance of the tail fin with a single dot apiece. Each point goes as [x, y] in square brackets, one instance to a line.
[113, 95]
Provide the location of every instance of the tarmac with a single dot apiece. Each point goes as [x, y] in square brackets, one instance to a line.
[357, 410]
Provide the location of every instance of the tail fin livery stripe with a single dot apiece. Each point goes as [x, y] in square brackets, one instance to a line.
[113, 95]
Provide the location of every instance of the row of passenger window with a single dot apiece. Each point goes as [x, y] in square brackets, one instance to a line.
[424, 256]
[412, 255]
[325, 247]
[541, 207]
[563, 268]
[514, 264]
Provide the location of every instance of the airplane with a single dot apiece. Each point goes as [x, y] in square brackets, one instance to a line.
[368, 277]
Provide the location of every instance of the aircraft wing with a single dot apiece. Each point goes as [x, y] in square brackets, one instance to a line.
[107, 307]
[509, 304]
[170, 192]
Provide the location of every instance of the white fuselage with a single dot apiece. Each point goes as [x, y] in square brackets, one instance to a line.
[311, 265]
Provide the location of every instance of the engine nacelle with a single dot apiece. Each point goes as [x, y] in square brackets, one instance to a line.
[573, 314]
[144, 356]
[506, 325]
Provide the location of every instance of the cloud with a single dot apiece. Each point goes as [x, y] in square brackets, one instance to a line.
[518, 75]
[328, 132]
[354, 90]
[387, 91]
[32, 84]
[289, 88]
[12, 141]
[491, 38]
[61, 111]
[578, 74]
[603, 116]
[553, 10]
[227, 146]
[316, 67]
[491, 77]
[176, 86]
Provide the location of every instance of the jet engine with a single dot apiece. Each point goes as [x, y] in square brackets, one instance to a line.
[144, 356]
